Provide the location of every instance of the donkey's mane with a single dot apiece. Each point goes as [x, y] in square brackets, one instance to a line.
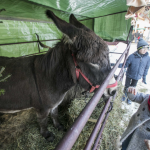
[55, 56]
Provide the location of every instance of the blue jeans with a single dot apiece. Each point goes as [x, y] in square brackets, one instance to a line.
[136, 39]
[130, 82]
[127, 141]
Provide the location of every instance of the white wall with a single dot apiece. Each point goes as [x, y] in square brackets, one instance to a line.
[142, 24]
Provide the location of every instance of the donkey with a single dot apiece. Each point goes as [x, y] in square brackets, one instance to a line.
[42, 81]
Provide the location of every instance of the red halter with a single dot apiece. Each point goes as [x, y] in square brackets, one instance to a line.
[78, 71]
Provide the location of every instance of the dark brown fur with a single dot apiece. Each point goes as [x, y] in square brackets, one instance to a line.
[42, 81]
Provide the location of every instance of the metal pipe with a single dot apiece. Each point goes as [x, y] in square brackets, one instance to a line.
[95, 130]
[26, 20]
[97, 126]
[109, 43]
[127, 52]
[46, 51]
[70, 137]
[28, 42]
[115, 53]
[115, 43]
[105, 15]
[99, 136]
[97, 141]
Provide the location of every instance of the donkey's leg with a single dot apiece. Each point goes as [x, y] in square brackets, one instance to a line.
[54, 115]
[42, 117]
[1, 119]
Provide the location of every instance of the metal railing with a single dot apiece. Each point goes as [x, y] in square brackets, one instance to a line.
[72, 134]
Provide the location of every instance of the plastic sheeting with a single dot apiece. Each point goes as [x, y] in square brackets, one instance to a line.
[86, 8]
[16, 50]
[20, 31]
[27, 11]
[35, 9]
[113, 27]
[32, 19]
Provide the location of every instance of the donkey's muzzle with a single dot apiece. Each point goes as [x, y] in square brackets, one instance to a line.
[111, 93]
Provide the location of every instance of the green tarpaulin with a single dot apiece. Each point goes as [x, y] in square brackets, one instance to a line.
[23, 18]
[112, 27]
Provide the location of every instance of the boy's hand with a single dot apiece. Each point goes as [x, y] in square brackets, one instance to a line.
[132, 90]
[147, 142]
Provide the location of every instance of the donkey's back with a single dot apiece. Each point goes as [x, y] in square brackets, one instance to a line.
[20, 87]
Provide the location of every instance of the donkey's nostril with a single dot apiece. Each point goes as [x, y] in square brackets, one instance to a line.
[112, 93]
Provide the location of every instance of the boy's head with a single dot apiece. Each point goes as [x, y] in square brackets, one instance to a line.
[142, 46]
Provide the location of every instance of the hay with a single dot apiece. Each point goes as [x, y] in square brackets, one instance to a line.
[113, 127]
[29, 136]
[74, 110]
[21, 130]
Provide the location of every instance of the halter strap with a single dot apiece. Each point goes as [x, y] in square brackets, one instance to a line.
[78, 72]
[112, 85]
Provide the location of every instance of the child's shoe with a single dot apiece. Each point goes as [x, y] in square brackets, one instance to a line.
[123, 98]
[129, 102]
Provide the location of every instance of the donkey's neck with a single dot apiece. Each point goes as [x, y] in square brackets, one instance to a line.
[58, 66]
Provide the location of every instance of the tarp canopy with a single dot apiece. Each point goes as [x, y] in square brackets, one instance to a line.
[21, 19]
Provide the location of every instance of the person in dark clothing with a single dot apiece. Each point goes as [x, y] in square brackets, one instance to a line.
[133, 34]
[137, 66]
[141, 34]
[136, 36]
[147, 38]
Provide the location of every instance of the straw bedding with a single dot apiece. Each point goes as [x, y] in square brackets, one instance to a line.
[21, 130]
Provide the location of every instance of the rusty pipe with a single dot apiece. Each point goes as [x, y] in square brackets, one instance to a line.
[70, 137]
[97, 126]
[99, 136]
[102, 128]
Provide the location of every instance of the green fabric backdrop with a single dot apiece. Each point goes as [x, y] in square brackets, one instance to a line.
[23, 18]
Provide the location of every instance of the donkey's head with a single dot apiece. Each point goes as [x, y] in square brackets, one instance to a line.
[90, 51]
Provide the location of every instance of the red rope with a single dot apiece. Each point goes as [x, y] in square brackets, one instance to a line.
[78, 72]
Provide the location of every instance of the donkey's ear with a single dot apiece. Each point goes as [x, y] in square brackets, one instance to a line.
[62, 25]
[76, 23]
